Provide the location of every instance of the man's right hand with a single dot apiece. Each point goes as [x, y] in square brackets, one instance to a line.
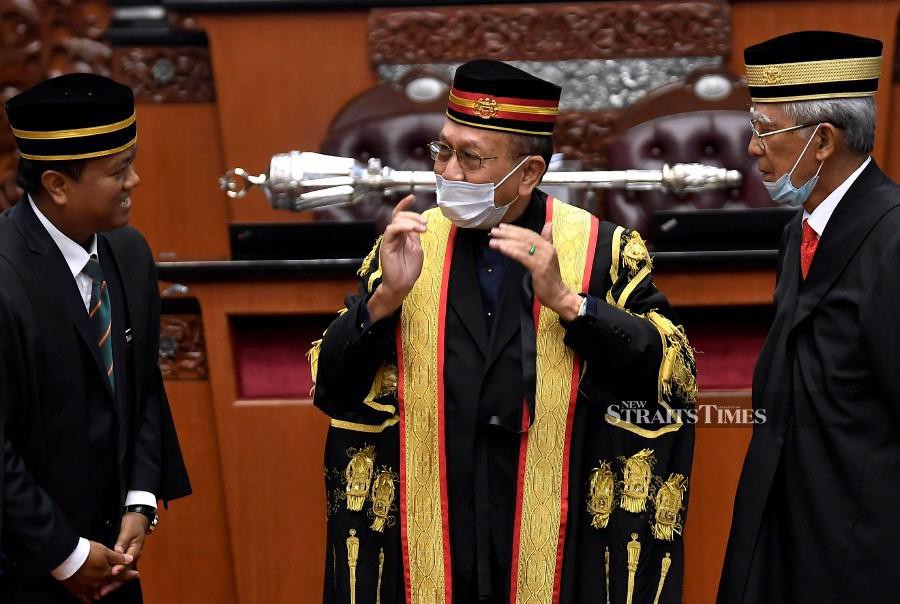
[97, 571]
[400, 258]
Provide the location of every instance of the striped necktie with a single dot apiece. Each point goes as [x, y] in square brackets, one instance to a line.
[101, 316]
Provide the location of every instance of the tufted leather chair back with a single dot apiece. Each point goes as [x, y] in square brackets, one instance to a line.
[696, 130]
[390, 123]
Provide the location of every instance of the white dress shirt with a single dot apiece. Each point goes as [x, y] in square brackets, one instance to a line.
[819, 217]
[76, 258]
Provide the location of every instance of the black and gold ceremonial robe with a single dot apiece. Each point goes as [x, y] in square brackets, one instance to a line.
[815, 515]
[466, 463]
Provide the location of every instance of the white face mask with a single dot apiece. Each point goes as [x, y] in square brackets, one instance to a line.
[469, 205]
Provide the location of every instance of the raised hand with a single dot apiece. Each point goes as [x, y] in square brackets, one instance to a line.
[537, 254]
[400, 258]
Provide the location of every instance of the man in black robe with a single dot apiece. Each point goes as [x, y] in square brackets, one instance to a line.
[481, 446]
[815, 515]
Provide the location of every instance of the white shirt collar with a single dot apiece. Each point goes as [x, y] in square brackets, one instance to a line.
[75, 255]
[819, 217]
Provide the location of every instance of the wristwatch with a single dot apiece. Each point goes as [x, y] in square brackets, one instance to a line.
[582, 308]
[145, 510]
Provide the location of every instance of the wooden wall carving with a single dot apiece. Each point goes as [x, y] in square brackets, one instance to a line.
[166, 74]
[585, 136]
[541, 32]
[182, 348]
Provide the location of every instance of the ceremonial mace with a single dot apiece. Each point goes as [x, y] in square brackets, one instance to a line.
[304, 181]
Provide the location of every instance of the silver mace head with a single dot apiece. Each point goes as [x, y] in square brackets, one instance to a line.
[303, 180]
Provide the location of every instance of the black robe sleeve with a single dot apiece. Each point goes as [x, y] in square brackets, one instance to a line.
[639, 382]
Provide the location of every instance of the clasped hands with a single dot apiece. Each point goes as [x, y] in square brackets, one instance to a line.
[401, 257]
[105, 570]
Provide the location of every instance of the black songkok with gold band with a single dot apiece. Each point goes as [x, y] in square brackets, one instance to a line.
[74, 116]
[496, 96]
[809, 65]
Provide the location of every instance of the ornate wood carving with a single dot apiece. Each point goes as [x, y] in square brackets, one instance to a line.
[585, 136]
[541, 32]
[166, 74]
[41, 39]
[182, 348]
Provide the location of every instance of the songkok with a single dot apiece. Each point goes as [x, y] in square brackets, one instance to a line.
[808, 65]
[496, 96]
[74, 116]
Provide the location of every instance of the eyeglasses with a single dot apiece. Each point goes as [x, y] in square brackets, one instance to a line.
[442, 152]
[763, 135]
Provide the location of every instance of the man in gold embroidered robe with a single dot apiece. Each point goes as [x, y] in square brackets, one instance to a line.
[504, 390]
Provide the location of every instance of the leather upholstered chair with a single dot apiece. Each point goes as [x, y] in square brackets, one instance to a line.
[394, 123]
[703, 119]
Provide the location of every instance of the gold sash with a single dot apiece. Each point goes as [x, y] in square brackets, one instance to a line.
[543, 473]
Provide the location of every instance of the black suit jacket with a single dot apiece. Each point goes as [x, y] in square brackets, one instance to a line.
[73, 448]
[815, 511]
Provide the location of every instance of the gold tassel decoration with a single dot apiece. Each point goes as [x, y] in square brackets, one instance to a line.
[366, 265]
[382, 500]
[601, 495]
[635, 254]
[636, 481]
[668, 503]
[606, 557]
[359, 476]
[634, 554]
[663, 571]
[380, 572]
[352, 559]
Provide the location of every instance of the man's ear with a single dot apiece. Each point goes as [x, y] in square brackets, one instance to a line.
[57, 186]
[826, 141]
[532, 172]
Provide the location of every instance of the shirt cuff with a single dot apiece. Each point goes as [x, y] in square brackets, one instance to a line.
[75, 561]
[140, 498]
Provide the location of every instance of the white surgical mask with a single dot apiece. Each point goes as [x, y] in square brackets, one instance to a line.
[783, 190]
[469, 205]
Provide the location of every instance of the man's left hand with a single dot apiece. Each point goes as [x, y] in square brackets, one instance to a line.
[131, 541]
[543, 264]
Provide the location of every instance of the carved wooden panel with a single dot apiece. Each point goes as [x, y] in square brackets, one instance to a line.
[541, 32]
[166, 74]
[41, 39]
[182, 348]
[585, 136]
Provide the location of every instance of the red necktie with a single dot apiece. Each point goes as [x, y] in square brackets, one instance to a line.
[807, 247]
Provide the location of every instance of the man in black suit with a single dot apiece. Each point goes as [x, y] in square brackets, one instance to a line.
[815, 516]
[90, 445]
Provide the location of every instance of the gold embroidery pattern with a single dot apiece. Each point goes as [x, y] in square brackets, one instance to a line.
[601, 495]
[606, 560]
[382, 501]
[422, 487]
[676, 373]
[663, 571]
[668, 503]
[542, 486]
[359, 476]
[485, 107]
[635, 255]
[366, 265]
[634, 555]
[380, 573]
[636, 481]
[352, 559]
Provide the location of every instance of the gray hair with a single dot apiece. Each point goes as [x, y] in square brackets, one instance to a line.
[855, 117]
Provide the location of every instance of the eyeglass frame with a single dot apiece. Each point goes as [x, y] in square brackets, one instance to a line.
[763, 135]
[481, 160]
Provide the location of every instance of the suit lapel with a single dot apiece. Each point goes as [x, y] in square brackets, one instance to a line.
[463, 293]
[847, 228]
[57, 277]
[507, 323]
